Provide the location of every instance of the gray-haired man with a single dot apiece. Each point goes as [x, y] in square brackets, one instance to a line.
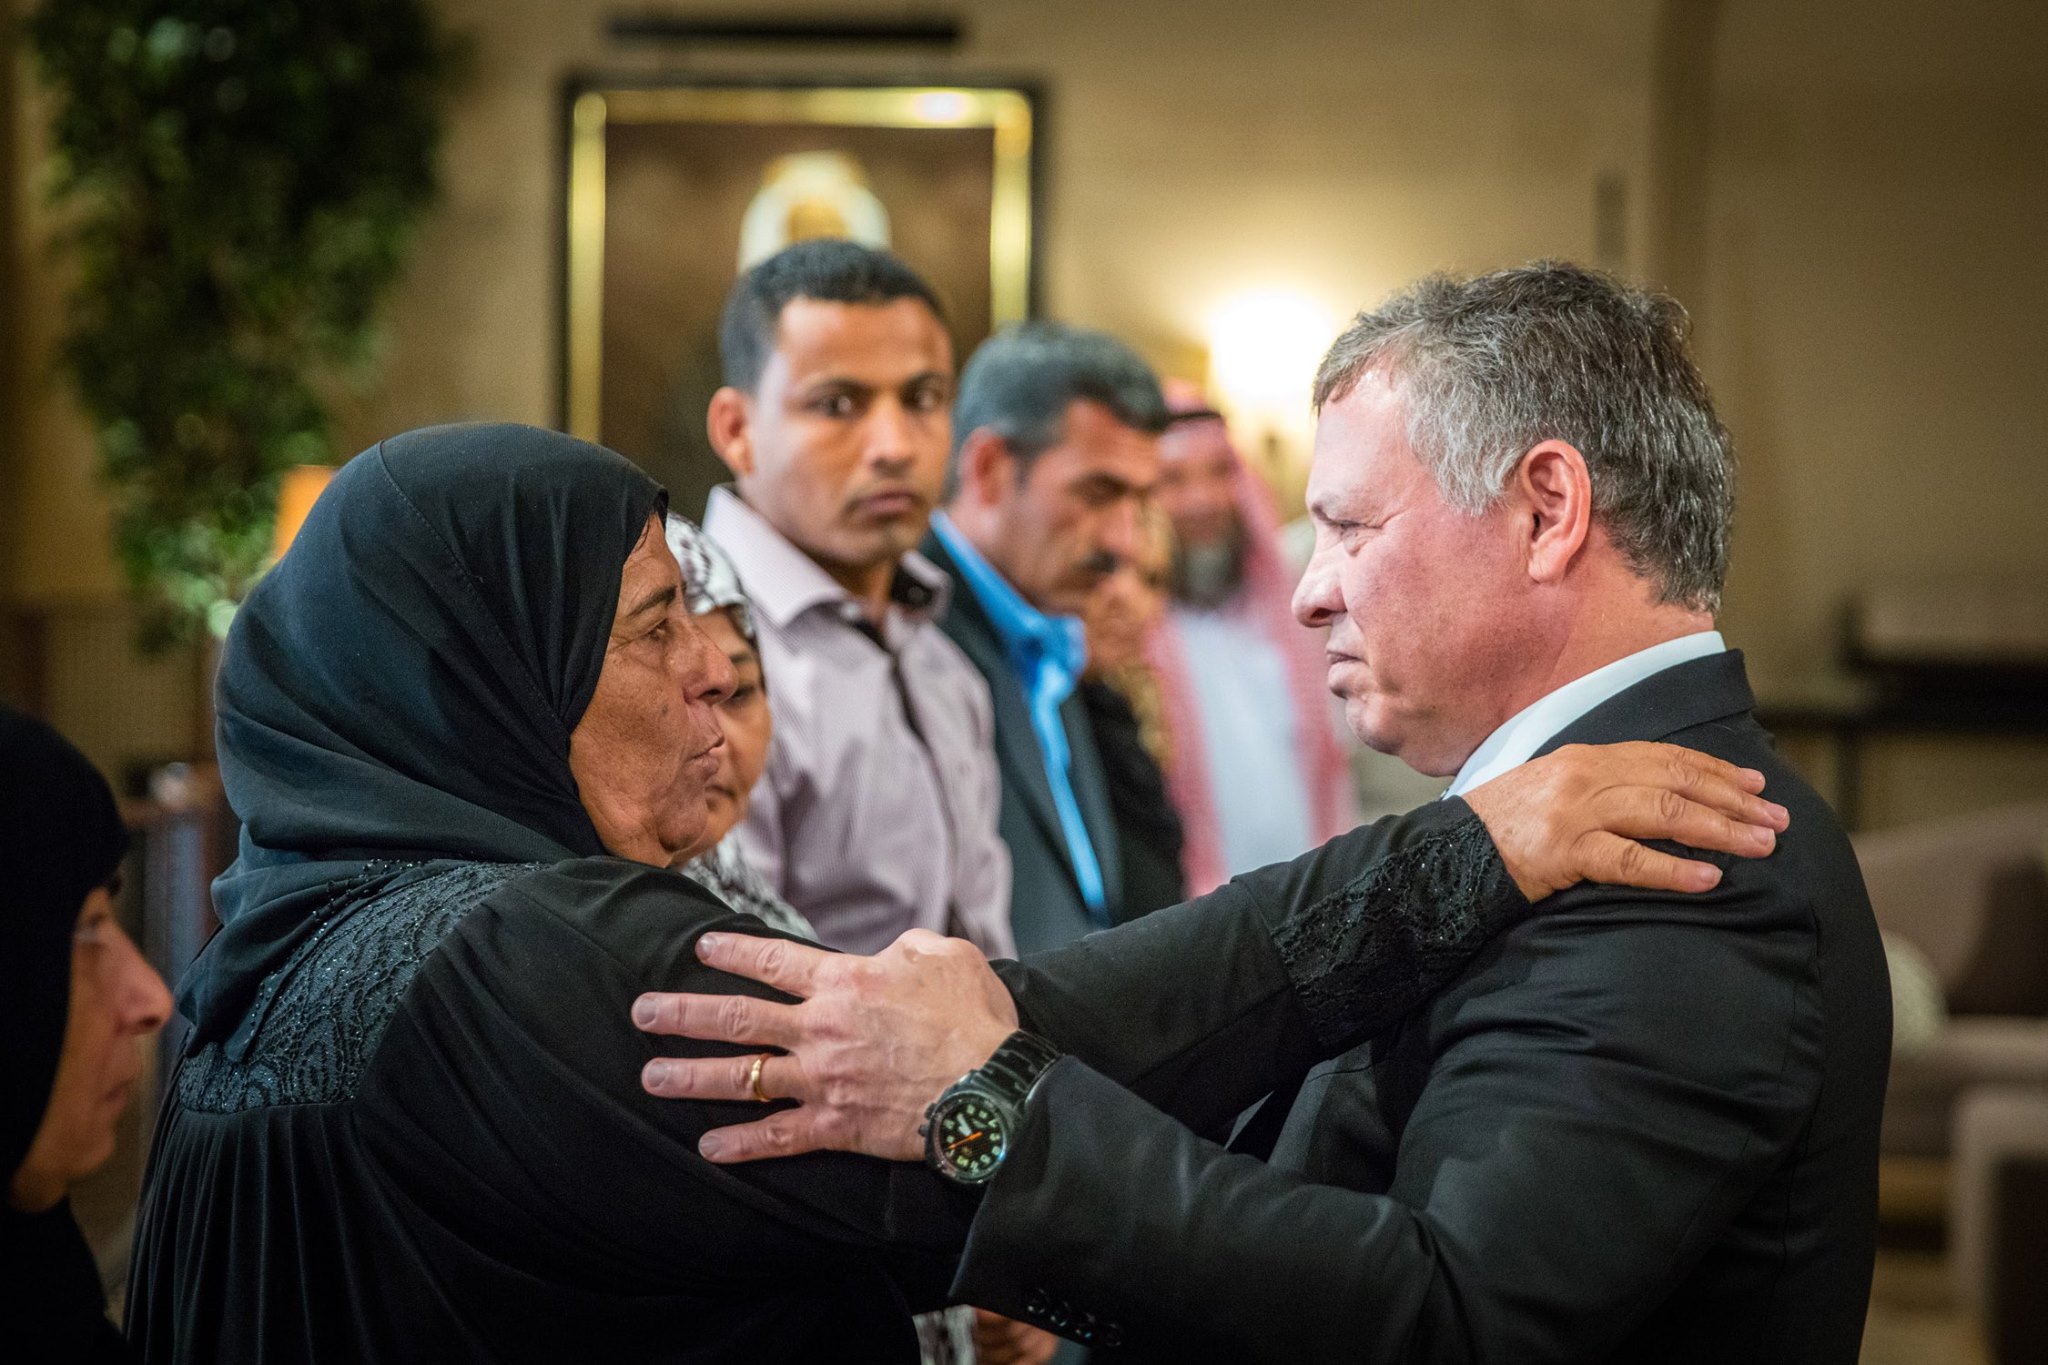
[1636, 1127]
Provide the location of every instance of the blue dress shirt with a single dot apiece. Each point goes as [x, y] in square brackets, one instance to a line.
[1047, 654]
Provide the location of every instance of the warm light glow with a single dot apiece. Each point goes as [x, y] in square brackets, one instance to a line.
[295, 497]
[941, 106]
[1264, 346]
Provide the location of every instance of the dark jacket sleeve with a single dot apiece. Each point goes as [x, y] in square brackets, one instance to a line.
[1202, 1008]
[512, 1075]
[1604, 1088]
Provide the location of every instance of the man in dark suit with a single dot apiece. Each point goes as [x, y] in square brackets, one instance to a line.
[1055, 451]
[1636, 1127]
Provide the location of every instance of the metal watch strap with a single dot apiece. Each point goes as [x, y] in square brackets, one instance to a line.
[1013, 1069]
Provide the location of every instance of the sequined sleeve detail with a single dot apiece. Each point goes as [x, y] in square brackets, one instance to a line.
[1365, 955]
[338, 991]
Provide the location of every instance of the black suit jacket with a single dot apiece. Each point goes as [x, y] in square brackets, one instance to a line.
[1046, 907]
[1638, 1126]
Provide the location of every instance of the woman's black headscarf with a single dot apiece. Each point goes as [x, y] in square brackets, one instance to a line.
[60, 836]
[400, 688]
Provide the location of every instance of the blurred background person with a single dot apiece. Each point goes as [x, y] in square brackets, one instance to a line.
[1055, 454]
[1120, 692]
[79, 1000]
[1053, 460]
[877, 809]
[1258, 773]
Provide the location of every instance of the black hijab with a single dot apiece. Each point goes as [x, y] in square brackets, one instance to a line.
[60, 836]
[399, 690]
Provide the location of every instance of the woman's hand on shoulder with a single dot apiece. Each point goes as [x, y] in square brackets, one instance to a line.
[1582, 812]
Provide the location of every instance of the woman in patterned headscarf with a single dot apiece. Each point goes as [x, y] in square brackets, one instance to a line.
[711, 587]
[718, 602]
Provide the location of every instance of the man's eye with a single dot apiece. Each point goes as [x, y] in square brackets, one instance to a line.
[741, 695]
[927, 399]
[1356, 533]
[835, 405]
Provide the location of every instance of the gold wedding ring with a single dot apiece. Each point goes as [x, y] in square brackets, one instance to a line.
[754, 1079]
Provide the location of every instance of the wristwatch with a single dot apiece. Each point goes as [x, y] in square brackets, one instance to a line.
[967, 1129]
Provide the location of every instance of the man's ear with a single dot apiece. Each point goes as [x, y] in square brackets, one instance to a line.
[729, 424]
[1556, 496]
[987, 467]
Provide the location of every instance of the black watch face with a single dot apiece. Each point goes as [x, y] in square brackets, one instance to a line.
[968, 1138]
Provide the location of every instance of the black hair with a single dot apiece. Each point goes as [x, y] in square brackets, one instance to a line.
[826, 269]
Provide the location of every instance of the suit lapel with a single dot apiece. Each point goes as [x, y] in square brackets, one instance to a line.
[968, 626]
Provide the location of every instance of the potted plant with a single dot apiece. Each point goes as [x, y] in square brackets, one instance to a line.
[241, 183]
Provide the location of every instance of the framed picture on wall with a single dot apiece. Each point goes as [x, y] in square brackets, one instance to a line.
[673, 189]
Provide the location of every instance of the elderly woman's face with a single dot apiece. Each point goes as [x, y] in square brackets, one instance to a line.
[646, 749]
[117, 1000]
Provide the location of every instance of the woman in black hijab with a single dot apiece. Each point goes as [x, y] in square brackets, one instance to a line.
[77, 999]
[467, 724]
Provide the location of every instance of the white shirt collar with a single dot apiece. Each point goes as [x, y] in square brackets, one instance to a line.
[1529, 729]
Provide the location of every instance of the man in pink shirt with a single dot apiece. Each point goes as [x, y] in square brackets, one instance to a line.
[877, 811]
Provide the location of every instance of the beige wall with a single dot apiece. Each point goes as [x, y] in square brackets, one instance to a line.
[1875, 284]
[1193, 149]
[1869, 269]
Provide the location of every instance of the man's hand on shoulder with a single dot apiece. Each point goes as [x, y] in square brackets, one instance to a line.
[870, 1043]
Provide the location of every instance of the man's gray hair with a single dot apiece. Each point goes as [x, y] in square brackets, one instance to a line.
[1021, 381]
[1489, 367]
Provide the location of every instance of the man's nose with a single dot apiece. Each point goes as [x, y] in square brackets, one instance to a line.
[1123, 534]
[1317, 598]
[887, 435]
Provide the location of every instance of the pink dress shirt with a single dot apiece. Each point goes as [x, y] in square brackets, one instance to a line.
[877, 810]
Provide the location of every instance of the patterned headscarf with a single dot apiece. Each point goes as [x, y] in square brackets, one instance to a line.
[711, 583]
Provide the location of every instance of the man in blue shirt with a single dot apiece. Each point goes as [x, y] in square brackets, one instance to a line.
[1055, 451]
